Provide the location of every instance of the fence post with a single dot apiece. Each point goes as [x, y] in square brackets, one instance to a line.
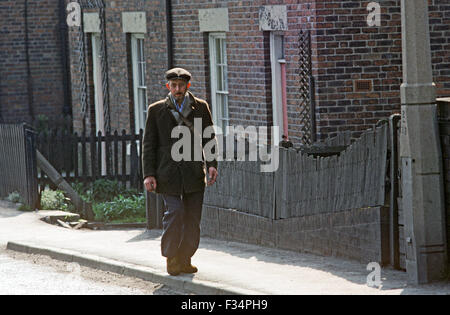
[394, 229]
[31, 166]
[154, 210]
[134, 163]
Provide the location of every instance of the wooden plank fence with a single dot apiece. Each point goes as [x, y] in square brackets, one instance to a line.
[86, 158]
[18, 162]
[305, 185]
[355, 179]
[243, 187]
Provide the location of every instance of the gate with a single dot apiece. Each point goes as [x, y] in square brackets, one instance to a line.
[18, 163]
[444, 131]
[396, 233]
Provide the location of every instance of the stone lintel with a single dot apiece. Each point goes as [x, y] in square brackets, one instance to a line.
[273, 18]
[134, 22]
[213, 20]
[91, 22]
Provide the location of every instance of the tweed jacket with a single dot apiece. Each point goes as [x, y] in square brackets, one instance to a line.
[175, 177]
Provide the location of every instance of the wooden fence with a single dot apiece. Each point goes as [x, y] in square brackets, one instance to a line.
[18, 162]
[242, 186]
[88, 158]
[305, 185]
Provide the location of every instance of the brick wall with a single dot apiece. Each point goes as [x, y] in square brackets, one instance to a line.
[248, 56]
[358, 234]
[45, 61]
[346, 49]
[118, 50]
[440, 45]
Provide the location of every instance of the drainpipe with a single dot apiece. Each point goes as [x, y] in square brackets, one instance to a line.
[169, 34]
[283, 99]
[67, 109]
[27, 58]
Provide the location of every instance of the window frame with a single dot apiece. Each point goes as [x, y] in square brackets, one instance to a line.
[277, 52]
[97, 79]
[219, 118]
[139, 68]
[97, 82]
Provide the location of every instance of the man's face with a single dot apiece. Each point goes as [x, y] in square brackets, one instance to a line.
[178, 89]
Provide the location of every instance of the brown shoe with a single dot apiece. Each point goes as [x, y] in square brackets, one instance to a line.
[186, 266]
[173, 268]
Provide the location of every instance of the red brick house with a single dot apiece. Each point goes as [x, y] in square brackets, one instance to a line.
[356, 68]
[117, 65]
[340, 73]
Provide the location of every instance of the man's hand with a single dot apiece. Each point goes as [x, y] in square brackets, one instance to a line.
[150, 183]
[212, 175]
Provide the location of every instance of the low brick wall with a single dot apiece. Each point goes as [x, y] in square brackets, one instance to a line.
[358, 234]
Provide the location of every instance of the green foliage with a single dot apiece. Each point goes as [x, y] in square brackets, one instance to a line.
[129, 209]
[14, 197]
[102, 190]
[105, 190]
[54, 200]
[111, 202]
[80, 190]
[24, 207]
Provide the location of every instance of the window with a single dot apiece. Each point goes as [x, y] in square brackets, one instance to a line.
[219, 79]
[97, 79]
[139, 86]
[98, 93]
[277, 60]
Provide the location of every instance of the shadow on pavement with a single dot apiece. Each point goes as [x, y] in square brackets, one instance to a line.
[146, 235]
[353, 271]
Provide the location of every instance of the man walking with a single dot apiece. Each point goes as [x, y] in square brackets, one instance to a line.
[181, 183]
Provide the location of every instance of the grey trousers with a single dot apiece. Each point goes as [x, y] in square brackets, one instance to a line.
[181, 224]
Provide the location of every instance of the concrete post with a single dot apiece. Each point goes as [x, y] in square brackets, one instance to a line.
[420, 151]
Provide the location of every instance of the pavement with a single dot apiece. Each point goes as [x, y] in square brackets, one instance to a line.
[224, 267]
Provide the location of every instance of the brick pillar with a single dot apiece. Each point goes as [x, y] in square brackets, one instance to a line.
[420, 151]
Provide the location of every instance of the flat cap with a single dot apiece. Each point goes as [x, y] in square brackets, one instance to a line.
[178, 73]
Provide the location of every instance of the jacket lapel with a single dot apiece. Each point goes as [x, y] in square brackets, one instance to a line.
[187, 110]
[169, 107]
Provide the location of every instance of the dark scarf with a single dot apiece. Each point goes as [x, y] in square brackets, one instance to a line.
[186, 110]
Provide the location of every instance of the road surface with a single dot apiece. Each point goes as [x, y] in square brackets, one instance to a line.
[23, 274]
